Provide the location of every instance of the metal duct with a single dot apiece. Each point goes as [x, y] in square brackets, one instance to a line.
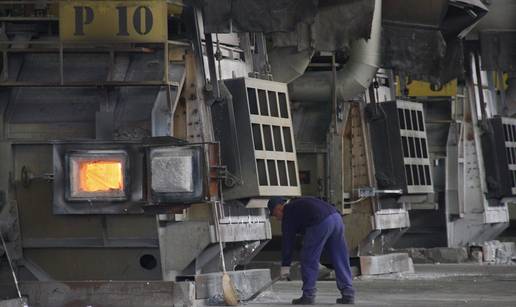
[500, 17]
[288, 63]
[353, 78]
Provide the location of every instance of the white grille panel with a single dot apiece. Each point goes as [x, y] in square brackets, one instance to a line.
[414, 147]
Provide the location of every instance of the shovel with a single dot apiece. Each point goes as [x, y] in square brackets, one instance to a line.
[228, 287]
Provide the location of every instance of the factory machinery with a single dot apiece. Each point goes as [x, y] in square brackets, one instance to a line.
[130, 129]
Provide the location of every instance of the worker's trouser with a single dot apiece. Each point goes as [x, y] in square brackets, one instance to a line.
[329, 235]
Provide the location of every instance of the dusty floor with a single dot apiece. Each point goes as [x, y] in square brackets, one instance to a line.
[431, 285]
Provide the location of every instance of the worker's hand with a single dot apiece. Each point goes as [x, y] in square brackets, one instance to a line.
[285, 272]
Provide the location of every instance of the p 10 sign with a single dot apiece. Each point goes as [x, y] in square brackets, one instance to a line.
[123, 21]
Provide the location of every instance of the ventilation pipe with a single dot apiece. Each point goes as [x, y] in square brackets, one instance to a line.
[288, 64]
[353, 78]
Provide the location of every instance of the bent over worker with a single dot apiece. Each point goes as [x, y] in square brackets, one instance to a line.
[322, 227]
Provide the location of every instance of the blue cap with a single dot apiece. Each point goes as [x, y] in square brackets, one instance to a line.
[273, 202]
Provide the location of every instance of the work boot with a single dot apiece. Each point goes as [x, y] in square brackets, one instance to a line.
[304, 300]
[346, 300]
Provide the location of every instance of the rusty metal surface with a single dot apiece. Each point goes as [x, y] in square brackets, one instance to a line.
[356, 168]
[215, 162]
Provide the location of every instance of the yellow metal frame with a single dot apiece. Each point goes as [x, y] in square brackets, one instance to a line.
[425, 89]
[103, 44]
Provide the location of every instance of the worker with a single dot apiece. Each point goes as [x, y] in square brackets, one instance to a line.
[322, 227]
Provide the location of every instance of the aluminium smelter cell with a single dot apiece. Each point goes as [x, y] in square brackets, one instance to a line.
[98, 177]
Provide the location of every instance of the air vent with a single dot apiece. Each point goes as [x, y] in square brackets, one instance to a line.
[400, 146]
[259, 149]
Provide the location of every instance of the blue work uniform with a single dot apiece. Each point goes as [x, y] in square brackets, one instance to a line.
[322, 227]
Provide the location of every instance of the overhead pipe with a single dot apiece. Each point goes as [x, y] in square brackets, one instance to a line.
[353, 78]
[288, 64]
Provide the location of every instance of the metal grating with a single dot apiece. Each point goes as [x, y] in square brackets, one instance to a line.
[414, 147]
[254, 127]
[272, 135]
[509, 129]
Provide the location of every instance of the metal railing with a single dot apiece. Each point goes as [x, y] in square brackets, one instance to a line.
[81, 47]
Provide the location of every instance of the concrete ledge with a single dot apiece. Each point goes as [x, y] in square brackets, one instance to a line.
[110, 293]
[14, 303]
[447, 254]
[386, 264]
[498, 252]
[247, 282]
[438, 254]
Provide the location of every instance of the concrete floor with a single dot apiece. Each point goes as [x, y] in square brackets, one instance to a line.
[431, 285]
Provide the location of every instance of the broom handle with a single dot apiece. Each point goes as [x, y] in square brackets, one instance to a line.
[217, 225]
[221, 250]
[265, 287]
[270, 283]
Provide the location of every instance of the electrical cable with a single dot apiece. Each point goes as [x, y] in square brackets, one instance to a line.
[354, 201]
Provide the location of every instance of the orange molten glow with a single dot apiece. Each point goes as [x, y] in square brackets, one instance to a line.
[100, 176]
